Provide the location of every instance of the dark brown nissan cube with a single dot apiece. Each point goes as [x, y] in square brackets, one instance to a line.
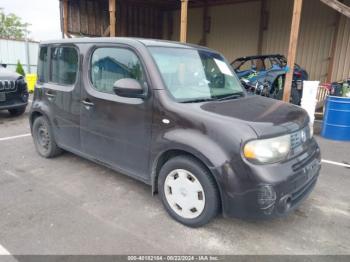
[176, 117]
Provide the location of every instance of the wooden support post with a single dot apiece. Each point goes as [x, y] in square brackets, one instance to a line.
[65, 18]
[183, 26]
[292, 51]
[112, 18]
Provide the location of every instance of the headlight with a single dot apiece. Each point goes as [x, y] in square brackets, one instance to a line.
[311, 126]
[268, 150]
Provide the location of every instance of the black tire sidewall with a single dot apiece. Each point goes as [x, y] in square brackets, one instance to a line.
[42, 121]
[295, 97]
[204, 177]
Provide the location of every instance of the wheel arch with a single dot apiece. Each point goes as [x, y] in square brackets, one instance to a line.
[39, 109]
[34, 115]
[165, 156]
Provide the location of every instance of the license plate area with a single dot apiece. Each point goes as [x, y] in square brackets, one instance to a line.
[308, 173]
[311, 169]
[2, 97]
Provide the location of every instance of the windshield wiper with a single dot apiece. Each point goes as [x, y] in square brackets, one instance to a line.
[232, 96]
[199, 100]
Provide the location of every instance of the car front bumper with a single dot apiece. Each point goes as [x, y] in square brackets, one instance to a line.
[14, 101]
[267, 191]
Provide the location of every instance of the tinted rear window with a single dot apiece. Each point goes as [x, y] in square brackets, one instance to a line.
[43, 65]
[64, 65]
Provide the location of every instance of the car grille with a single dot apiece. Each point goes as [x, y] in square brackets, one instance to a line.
[8, 86]
[300, 137]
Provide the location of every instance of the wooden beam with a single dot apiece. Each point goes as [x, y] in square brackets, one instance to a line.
[183, 26]
[65, 18]
[340, 7]
[292, 51]
[112, 18]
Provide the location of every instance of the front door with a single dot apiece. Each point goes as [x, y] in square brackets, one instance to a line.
[114, 129]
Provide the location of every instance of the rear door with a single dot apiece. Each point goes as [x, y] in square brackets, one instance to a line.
[60, 88]
[116, 130]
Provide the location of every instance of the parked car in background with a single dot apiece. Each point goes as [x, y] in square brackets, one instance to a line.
[13, 92]
[176, 117]
[265, 75]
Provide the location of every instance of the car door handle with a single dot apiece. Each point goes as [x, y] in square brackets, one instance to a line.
[49, 94]
[87, 103]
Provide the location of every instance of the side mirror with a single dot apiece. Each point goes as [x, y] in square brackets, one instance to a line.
[4, 65]
[128, 87]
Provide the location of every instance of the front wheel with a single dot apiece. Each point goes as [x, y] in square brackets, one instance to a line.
[188, 191]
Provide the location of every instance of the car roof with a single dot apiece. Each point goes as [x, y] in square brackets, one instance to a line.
[125, 40]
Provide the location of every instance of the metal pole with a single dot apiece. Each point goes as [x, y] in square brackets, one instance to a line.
[27, 52]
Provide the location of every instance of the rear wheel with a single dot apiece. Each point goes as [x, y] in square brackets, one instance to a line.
[17, 111]
[44, 140]
[188, 191]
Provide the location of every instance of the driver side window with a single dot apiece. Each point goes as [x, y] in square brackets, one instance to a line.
[109, 64]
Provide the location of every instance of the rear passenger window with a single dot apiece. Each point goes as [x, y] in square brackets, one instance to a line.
[111, 64]
[43, 65]
[64, 65]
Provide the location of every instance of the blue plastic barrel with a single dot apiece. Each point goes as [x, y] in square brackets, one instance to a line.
[336, 122]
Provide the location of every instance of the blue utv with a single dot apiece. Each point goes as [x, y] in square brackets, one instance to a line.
[265, 75]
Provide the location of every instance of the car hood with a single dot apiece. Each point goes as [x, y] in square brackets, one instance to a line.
[6, 74]
[266, 116]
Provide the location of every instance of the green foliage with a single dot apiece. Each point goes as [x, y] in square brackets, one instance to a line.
[19, 69]
[11, 26]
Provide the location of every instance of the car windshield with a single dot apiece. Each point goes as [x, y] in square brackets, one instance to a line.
[193, 75]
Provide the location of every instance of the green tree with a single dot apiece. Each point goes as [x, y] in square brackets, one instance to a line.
[19, 69]
[11, 26]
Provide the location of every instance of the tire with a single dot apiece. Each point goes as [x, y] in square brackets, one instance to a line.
[295, 97]
[277, 88]
[194, 199]
[44, 140]
[17, 111]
